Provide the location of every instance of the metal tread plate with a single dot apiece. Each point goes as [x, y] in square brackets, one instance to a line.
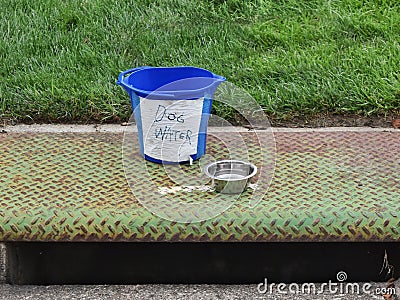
[327, 186]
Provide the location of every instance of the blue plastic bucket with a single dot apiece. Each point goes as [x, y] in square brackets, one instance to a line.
[171, 107]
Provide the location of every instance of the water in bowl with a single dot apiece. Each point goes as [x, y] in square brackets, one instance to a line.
[230, 176]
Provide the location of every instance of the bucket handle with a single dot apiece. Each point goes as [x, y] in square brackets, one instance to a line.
[123, 74]
[219, 78]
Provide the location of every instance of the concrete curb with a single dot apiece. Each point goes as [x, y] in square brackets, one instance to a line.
[117, 128]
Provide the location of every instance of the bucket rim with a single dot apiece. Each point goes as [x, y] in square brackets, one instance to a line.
[124, 76]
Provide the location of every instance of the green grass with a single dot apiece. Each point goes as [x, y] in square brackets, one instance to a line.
[59, 59]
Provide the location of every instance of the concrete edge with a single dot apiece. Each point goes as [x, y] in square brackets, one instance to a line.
[118, 128]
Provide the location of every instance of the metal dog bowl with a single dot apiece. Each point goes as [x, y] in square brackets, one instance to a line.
[230, 176]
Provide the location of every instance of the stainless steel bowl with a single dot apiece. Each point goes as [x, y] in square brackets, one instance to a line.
[230, 176]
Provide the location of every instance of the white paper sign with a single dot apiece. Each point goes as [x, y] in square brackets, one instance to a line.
[170, 128]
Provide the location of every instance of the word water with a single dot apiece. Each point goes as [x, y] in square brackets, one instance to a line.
[169, 134]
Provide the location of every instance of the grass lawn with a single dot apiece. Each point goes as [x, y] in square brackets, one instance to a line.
[59, 59]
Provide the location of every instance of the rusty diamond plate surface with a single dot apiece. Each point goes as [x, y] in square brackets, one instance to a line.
[327, 186]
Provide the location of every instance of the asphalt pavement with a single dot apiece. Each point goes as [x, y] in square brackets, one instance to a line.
[165, 292]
